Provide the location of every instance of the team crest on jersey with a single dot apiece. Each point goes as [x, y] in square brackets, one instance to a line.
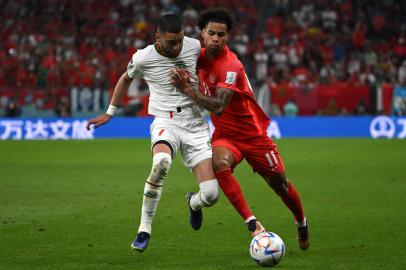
[212, 78]
[231, 77]
[180, 64]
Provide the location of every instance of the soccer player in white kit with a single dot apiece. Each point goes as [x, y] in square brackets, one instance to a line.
[178, 125]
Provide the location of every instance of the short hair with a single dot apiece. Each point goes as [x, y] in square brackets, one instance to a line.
[170, 23]
[218, 15]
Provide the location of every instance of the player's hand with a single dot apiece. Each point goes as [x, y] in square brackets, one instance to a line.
[180, 79]
[98, 121]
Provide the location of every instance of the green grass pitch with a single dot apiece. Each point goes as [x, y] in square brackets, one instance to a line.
[76, 205]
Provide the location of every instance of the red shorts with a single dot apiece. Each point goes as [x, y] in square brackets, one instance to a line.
[260, 153]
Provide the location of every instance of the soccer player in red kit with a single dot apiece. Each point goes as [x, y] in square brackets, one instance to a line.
[240, 124]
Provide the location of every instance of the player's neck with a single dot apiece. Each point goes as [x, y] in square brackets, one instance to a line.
[159, 50]
[212, 55]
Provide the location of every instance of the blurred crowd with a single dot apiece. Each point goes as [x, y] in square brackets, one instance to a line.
[64, 57]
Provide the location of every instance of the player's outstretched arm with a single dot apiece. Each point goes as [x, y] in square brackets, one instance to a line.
[119, 91]
[98, 121]
[215, 104]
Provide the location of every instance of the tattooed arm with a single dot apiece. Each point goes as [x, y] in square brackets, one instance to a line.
[215, 104]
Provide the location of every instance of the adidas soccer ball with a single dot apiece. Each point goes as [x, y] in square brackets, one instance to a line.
[267, 249]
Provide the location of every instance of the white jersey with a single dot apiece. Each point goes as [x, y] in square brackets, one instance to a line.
[155, 68]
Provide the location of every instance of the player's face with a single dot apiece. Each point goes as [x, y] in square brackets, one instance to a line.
[170, 43]
[215, 37]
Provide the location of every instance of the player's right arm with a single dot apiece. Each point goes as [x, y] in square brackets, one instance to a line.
[119, 91]
[214, 104]
[134, 70]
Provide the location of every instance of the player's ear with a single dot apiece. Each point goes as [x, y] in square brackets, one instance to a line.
[157, 36]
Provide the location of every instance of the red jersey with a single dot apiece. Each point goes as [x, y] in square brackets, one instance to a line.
[243, 118]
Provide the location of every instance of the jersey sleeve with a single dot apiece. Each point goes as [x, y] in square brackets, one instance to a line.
[229, 75]
[134, 67]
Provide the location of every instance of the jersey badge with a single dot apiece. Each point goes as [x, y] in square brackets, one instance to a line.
[231, 77]
[180, 64]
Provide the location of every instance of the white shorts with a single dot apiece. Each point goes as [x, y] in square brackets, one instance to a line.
[189, 136]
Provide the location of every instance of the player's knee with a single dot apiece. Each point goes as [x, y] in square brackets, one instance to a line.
[210, 197]
[162, 162]
[209, 192]
[160, 166]
[220, 164]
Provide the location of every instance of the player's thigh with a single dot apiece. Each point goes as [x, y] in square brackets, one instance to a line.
[225, 154]
[203, 170]
[164, 136]
[264, 157]
[195, 144]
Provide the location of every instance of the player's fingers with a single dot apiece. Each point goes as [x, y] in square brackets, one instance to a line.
[173, 73]
[89, 123]
[176, 77]
[175, 70]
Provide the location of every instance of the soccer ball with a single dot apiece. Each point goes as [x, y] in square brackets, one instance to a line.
[267, 249]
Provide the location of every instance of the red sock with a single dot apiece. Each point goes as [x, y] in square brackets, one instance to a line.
[292, 201]
[232, 190]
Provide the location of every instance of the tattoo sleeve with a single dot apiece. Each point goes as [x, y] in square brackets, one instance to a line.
[215, 104]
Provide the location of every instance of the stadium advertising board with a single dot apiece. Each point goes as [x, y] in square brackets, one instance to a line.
[301, 127]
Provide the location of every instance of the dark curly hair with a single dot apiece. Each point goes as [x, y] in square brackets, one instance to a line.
[218, 15]
[170, 23]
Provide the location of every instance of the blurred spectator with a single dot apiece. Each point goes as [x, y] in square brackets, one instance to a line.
[331, 108]
[85, 99]
[261, 65]
[274, 110]
[12, 109]
[399, 101]
[399, 106]
[327, 74]
[290, 109]
[82, 46]
[368, 77]
[62, 107]
[361, 108]
[402, 74]
[263, 96]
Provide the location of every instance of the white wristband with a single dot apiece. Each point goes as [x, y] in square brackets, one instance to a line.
[112, 110]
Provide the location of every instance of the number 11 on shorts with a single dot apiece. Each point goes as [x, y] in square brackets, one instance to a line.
[272, 160]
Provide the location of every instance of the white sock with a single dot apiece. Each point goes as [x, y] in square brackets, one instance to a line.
[161, 163]
[208, 189]
[249, 219]
[302, 224]
[150, 202]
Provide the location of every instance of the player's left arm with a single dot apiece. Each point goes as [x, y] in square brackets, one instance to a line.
[215, 104]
